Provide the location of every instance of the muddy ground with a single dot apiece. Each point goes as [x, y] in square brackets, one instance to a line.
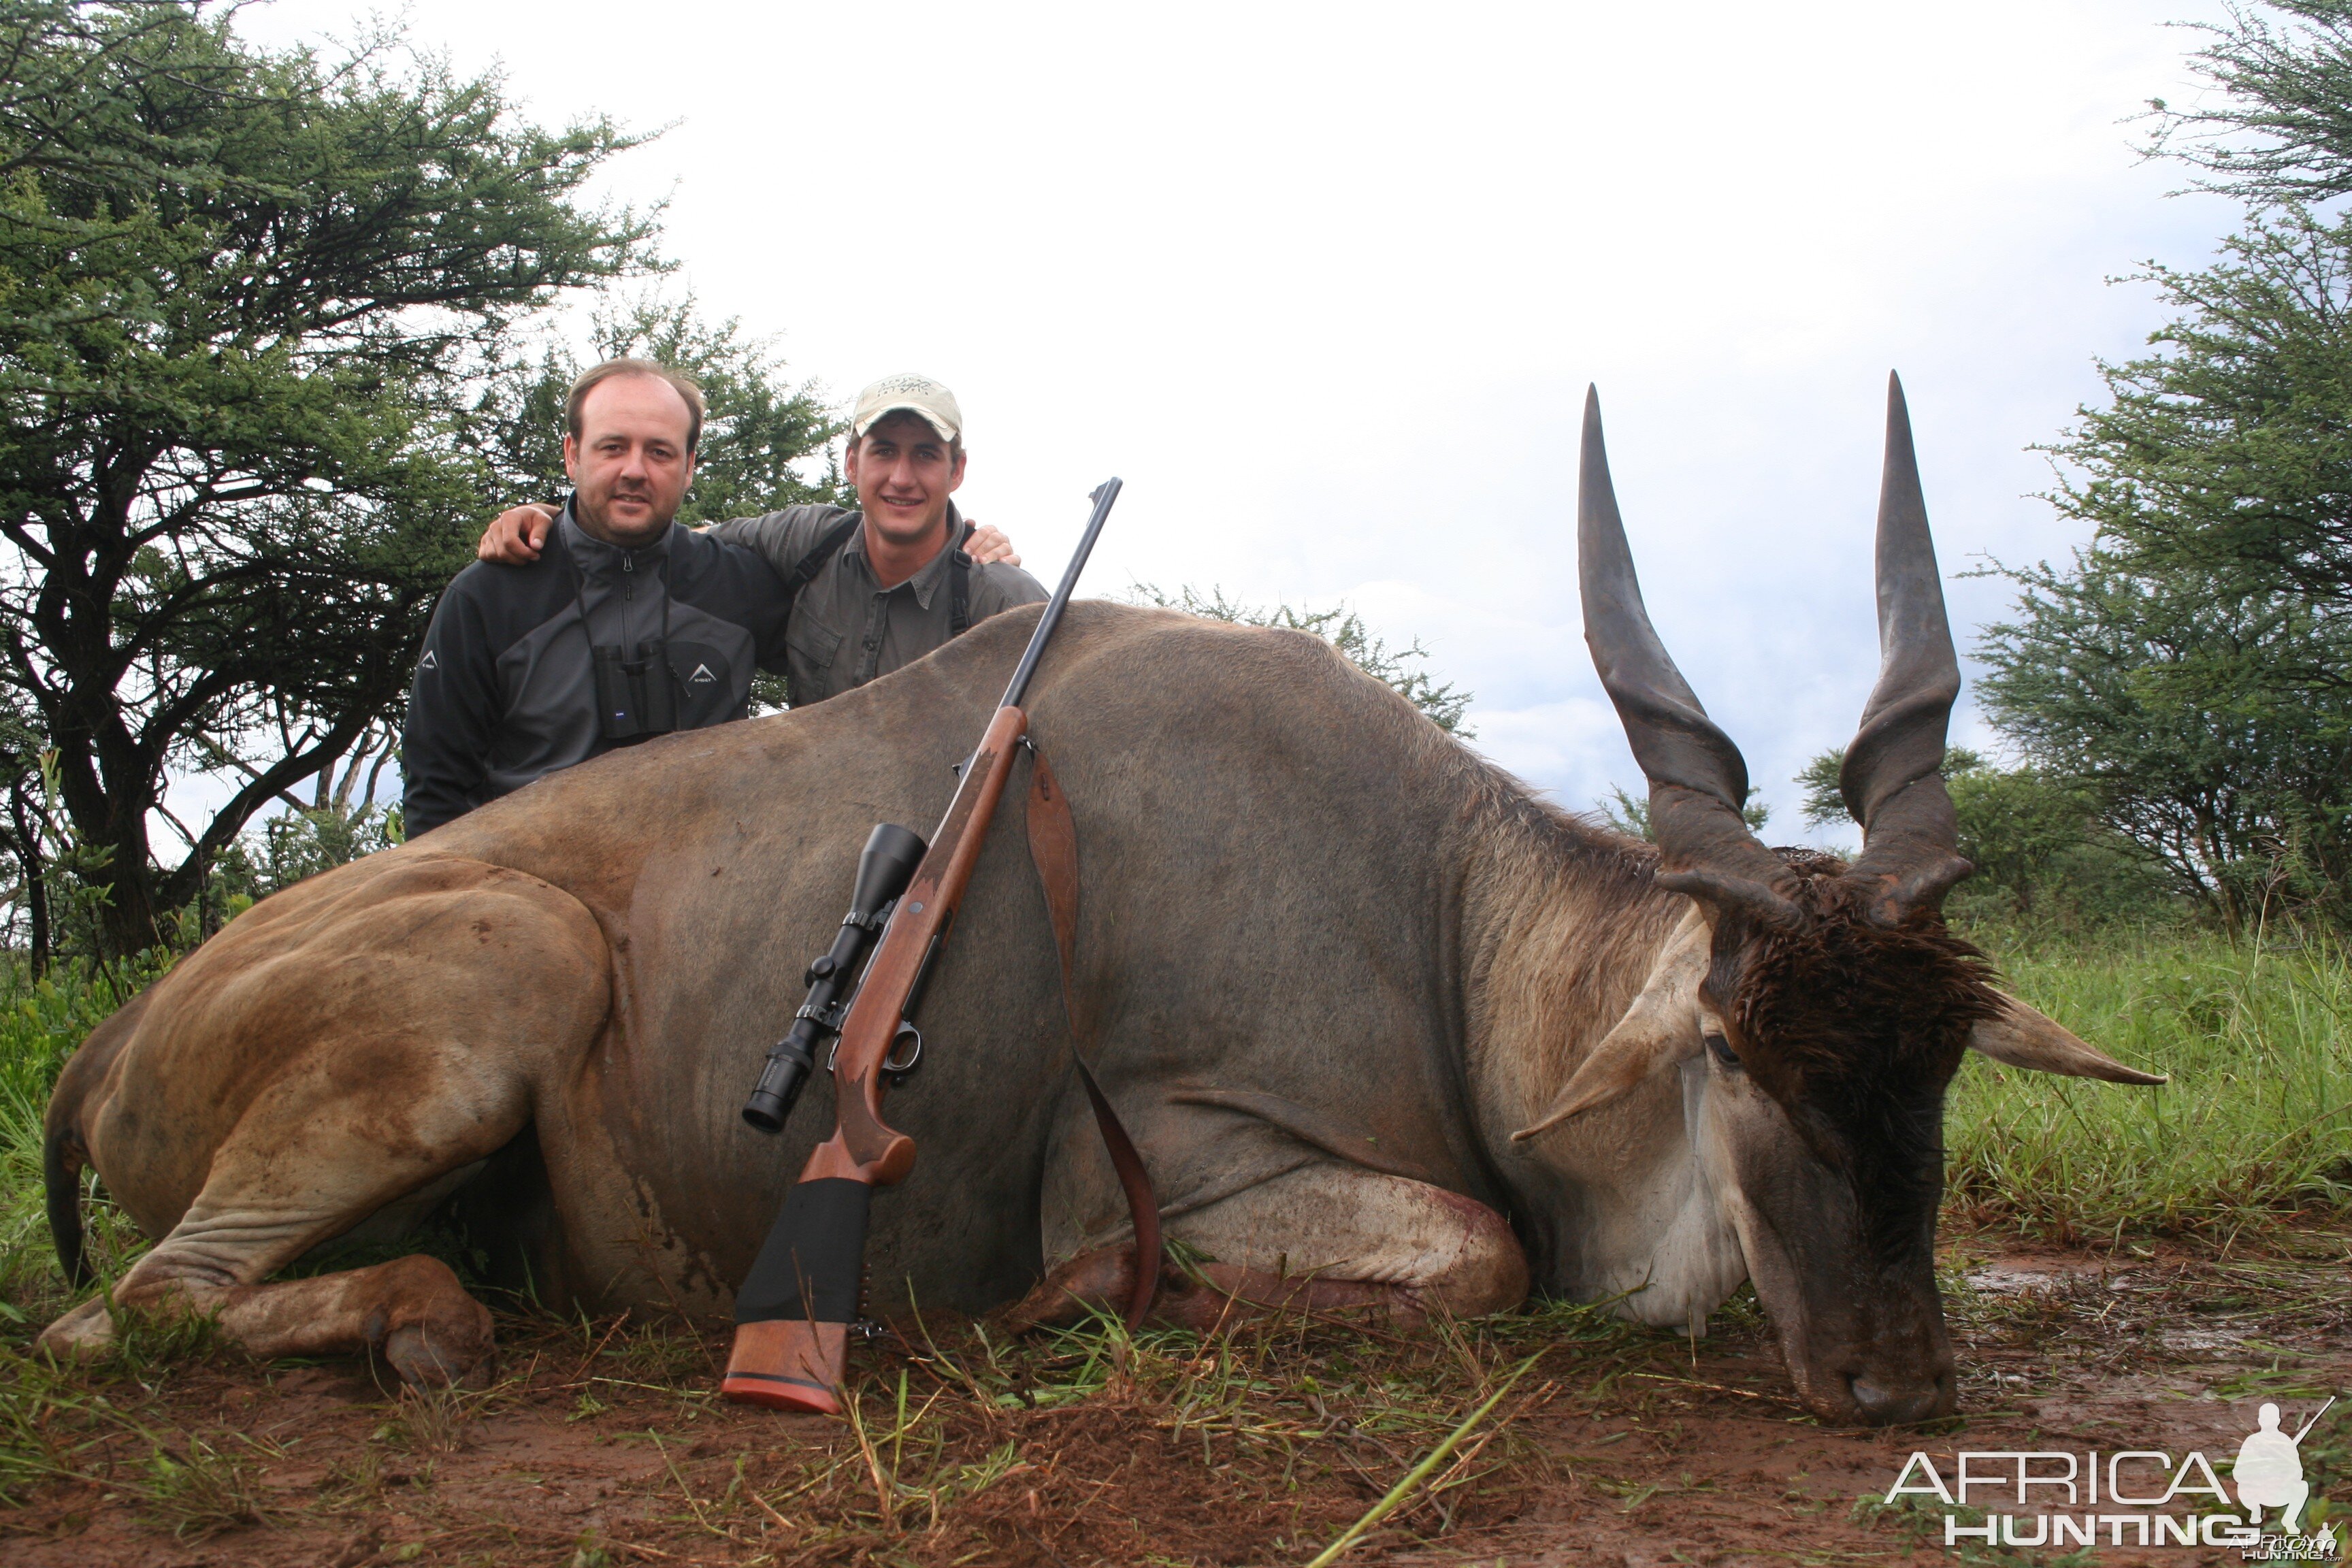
[600, 1445]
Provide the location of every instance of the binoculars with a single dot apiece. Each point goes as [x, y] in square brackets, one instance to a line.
[885, 867]
[636, 698]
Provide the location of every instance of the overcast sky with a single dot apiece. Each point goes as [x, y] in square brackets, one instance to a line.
[1325, 285]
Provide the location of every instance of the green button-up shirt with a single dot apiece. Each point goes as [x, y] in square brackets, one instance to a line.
[846, 628]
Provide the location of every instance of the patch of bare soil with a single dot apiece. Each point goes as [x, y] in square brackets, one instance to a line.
[600, 1444]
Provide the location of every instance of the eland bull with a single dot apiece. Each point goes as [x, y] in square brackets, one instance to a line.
[1388, 1030]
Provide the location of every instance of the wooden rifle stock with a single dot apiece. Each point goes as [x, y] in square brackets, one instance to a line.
[794, 1312]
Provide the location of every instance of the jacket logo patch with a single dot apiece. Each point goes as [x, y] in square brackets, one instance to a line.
[701, 676]
[427, 662]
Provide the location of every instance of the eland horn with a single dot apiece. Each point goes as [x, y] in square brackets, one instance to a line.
[1699, 780]
[1892, 780]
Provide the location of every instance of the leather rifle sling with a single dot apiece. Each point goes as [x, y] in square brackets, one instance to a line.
[1054, 847]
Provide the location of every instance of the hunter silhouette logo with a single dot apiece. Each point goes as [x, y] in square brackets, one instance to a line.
[2269, 1471]
[2134, 1497]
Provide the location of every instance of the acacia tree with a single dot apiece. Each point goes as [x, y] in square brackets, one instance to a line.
[2169, 700]
[2189, 673]
[28, 832]
[2279, 130]
[2228, 452]
[2192, 670]
[243, 297]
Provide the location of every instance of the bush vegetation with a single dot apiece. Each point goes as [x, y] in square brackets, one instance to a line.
[1406, 670]
[2043, 859]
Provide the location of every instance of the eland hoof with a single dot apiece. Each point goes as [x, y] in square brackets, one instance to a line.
[85, 1334]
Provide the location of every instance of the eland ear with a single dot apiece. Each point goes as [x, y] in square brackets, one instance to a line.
[1656, 1032]
[2022, 1037]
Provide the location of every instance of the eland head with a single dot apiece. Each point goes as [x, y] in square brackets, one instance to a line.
[1829, 1002]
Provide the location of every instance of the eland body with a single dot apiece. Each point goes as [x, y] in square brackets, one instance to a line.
[1386, 1029]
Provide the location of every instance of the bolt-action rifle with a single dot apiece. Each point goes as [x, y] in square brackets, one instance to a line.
[795, 1312]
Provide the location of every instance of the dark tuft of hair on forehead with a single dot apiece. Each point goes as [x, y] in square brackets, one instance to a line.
[1840, 992]
[1854, 1026]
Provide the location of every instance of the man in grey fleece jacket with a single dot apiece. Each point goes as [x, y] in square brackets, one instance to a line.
[626, 627]
[872, 589]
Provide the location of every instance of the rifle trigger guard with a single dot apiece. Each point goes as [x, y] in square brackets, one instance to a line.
[911, 1038]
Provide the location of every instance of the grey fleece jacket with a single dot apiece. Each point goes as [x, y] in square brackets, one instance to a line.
[505, 688]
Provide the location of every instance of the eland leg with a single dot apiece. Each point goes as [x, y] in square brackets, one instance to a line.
[1320, 1239]
[391, 1043]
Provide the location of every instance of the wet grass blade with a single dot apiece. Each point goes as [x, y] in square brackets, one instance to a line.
[1419, 1473]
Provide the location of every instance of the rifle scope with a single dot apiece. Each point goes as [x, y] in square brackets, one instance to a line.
[885, 867]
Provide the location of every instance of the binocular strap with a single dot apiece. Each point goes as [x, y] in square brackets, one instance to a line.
[1054, 848]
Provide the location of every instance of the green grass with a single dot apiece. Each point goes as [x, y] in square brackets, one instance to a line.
[41, 1023]
[2253, 1131]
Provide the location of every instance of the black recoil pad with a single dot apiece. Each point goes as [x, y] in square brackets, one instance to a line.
[810, 1266]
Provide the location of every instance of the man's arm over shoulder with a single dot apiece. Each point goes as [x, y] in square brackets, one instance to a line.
[785, 537]
[998, 588]
[453, 712]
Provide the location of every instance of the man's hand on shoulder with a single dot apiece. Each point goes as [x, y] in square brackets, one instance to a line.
[518, 534]
[988, 546]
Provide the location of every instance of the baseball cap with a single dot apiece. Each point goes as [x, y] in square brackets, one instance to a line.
[916, 394]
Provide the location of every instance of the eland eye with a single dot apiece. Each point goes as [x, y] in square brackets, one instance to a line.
[1722, 1051]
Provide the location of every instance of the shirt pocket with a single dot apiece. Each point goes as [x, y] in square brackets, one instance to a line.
[812, 642]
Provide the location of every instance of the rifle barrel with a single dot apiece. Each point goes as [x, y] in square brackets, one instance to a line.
[1104, 494]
